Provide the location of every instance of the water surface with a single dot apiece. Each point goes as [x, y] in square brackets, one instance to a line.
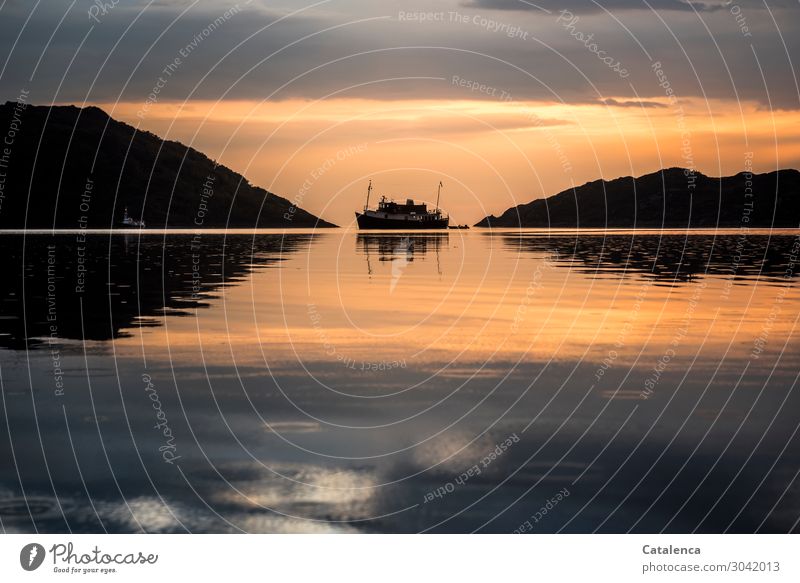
[334, 381]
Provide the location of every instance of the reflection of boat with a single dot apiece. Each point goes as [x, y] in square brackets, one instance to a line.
[395, 215]
[401, 247]
[386, 245]
[129, 222]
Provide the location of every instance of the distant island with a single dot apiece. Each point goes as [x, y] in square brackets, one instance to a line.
[672, 198]
[70, 167]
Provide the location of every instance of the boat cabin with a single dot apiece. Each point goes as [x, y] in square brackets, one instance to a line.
[409, 208]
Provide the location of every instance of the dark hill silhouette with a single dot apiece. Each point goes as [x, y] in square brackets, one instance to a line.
[60, 154]
[665, 199]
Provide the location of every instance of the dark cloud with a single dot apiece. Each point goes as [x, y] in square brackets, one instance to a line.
[318, 53]
[633, 103]
[584, 6]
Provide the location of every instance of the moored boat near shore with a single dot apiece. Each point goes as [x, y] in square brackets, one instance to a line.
[408, 215]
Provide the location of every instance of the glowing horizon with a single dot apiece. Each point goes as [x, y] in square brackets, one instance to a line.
[491, 154]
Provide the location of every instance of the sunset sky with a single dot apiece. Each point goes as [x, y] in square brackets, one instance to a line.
[504, 101]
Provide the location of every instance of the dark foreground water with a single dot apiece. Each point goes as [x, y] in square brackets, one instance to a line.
[462, 381]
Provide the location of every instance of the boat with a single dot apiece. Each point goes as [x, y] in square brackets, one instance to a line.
[129, 222]
[395, 215]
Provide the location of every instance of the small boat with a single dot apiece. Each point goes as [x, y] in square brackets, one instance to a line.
[129, 222]
[458, 227]
[394, 215]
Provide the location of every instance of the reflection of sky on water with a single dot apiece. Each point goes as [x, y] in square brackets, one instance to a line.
[330, 382]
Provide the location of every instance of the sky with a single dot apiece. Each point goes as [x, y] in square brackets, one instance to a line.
[504, 101]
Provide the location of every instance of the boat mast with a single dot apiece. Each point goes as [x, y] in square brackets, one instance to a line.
[369, 188]
[437, 196]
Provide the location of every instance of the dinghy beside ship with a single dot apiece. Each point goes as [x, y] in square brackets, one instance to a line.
[128, 222]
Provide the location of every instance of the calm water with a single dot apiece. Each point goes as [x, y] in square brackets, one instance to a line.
[461, 381]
